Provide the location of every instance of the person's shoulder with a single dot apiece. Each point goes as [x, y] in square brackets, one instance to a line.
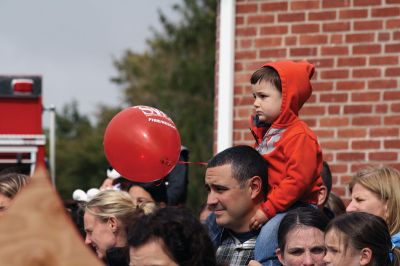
[211, 221]
[214, 230]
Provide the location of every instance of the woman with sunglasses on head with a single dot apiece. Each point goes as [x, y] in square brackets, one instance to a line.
[375, 190]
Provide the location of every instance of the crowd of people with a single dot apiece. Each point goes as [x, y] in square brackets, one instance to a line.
[123, 230]
[270, 204]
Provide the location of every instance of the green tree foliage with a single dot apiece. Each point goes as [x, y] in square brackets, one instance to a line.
[176, 75]
[80, 159]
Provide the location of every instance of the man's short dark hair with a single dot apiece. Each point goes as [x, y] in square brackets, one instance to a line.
[184, 237]
[246, 162]
[268, 74]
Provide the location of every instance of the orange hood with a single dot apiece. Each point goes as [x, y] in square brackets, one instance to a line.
[296, 89]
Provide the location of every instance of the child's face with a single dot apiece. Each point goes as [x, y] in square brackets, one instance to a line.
[338, 252]
[267, 101]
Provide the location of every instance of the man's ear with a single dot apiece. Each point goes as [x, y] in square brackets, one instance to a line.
[279, 255]
[113, 223]
[365, 256]
[322, 195]
[255, 186]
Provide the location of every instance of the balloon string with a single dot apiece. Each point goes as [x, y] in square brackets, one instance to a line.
[184, 162]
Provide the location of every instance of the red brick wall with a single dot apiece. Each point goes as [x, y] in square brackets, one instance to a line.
[355, 47]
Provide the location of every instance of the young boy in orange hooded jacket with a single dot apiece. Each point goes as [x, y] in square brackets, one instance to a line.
[290, 147]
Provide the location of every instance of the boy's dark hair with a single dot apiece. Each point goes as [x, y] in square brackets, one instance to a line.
[268, 74]
[303, 216]
[185, 239]
[246, 162]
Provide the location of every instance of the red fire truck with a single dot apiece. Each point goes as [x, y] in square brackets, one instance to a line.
[22, 142]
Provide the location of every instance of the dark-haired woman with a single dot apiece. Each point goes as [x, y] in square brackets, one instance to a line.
[301, 238]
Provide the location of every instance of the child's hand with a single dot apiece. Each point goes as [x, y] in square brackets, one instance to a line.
[258, 220]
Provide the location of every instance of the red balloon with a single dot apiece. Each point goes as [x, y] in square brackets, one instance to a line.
[142, 144]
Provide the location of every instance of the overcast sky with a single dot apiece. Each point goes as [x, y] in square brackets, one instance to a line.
[72, 44]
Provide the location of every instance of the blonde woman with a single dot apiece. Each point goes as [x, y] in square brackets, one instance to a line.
[376, 191]
[10, 185]
[107, 216]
